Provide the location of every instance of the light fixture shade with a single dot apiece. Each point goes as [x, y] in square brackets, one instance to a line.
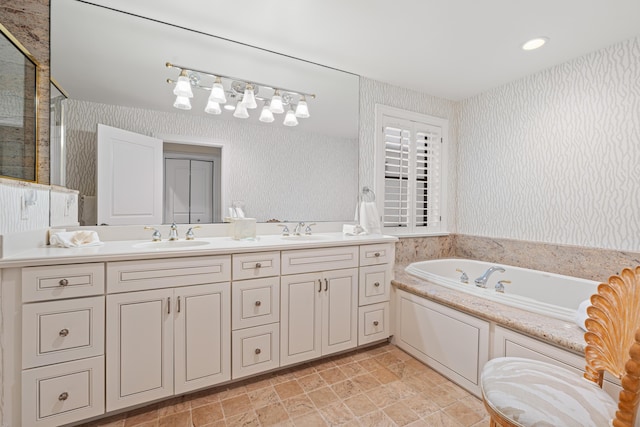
[302, 110]
[276, 103]
[217, 92]
[182, 102]
[213, 108]
[266, 115]
[249, 98]
[241, 111]
[290, 119]
[183, 86]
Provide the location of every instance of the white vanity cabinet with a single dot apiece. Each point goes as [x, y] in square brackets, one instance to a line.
[319, 309]
[376, 265]
[170, 340]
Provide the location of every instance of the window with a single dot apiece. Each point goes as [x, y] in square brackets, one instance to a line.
[410, 152]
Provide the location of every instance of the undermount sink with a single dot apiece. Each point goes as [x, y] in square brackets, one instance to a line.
[305, 237]
[170, 244]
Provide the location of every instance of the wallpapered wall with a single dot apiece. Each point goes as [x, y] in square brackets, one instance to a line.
[373, 92]
[554, 157]
[278, 172]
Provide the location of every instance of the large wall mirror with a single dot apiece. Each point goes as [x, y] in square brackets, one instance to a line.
[112, 66]
[18, 109]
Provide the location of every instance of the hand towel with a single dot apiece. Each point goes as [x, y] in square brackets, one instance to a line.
[369, 218]
[352, 230]
[75, 239]
[581, 313]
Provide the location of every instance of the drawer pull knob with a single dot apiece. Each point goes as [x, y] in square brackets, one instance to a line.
[375, 323]
[64, 332]
[258, 264]
[258, 351]
[63, 396]
[63, 282]
[258, 303]
[377, 284]
[377, 254]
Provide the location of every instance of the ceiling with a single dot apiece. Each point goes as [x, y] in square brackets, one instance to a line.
[452, 49]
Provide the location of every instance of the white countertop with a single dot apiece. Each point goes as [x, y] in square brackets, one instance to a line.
[126, 250]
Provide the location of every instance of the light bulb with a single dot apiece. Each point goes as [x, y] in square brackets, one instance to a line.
[536, 43]
[182, 102]
[217, 92]
[212, 108]
[276, 103]
[302, 110]
[183, 85]
[249, 98]
[241, 111]
[266, 115]
[290, 119]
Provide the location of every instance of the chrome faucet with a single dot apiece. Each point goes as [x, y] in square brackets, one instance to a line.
[308, 230]
[156, 236]
[189, 234]
[173, 232]
[482, 280]
[463, 276]
[298, 228]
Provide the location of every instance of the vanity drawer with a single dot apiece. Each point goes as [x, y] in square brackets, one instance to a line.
[376, 254]
[62, 281]
[255, 350]
[253, 266]
[255, 302]
[126, 276]
[63, 393]
[60, 331]
[375, 283]
[373, 323]
[310, 260]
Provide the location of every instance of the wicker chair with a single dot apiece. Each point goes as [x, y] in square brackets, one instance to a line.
[523, 392]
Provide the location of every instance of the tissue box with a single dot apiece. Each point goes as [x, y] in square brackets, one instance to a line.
[243, 228]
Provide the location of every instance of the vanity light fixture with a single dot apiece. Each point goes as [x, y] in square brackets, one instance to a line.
[535, 43]
[225, 91]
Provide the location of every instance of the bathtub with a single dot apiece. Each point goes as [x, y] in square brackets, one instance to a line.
[536, 291]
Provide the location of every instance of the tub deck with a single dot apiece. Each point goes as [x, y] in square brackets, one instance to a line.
[554, 331]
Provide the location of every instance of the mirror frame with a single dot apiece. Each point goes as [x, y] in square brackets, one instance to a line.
[6, 33]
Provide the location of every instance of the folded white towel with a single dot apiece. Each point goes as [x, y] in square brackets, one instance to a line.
[581, 313]
[352, 230]
[369, 218]
[75, 239]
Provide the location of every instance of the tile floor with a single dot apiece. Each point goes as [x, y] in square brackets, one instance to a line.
[376, 386]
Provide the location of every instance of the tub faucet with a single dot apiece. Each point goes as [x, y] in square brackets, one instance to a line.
[482, 280]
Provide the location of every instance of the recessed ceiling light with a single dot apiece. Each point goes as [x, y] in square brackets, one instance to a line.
[536, 43]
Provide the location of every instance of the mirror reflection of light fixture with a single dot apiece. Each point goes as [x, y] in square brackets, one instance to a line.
[266, 115]
[290, 118]
[243, 93]
[182, 103]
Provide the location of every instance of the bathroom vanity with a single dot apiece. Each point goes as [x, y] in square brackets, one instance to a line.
[89, 331]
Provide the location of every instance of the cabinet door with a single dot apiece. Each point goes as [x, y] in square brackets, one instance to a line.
[202, 330]
[139, 347]
[339, 310]
[300, 322]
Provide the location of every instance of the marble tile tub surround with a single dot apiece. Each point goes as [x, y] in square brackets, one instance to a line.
[584, 262]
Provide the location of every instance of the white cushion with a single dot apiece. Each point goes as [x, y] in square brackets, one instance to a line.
[533, 393]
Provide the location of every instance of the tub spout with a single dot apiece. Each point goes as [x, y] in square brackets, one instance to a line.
[482, 280]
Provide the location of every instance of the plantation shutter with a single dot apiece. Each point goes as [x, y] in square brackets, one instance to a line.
[412, 175]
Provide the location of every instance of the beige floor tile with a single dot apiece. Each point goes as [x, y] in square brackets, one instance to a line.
[258, 383]
[381, 397]
[282, 377]
[311, 382]
[263, 397]
[346, 389]
[360, 405]
[386, 359]
[288, 389]
[486, 422]
[475, 404]
[400, 414]
[322, 397]
[303, 371]
[420, 383]
[313, 419]
[342, 360]
[421, 406]
[205, 397]
[298, 406]
[207, 414]
[332, 375]
[219, 423]
[463, 413]
[235, 405]
[173, 406]
[370, 364]
[324, 364]
[376, 419]
[232, 391]
[272, 415]
[246, 419]
[441, 419]
[432, 375]
[365, 382]
[384, 375]
[153, 423]
[141, 416]
[336, 414]
[180, 419]
[353, 369]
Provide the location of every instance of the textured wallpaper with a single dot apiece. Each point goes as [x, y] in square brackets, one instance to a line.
[278, 172]
[14, 217]
[555, 157]
[373, 92]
